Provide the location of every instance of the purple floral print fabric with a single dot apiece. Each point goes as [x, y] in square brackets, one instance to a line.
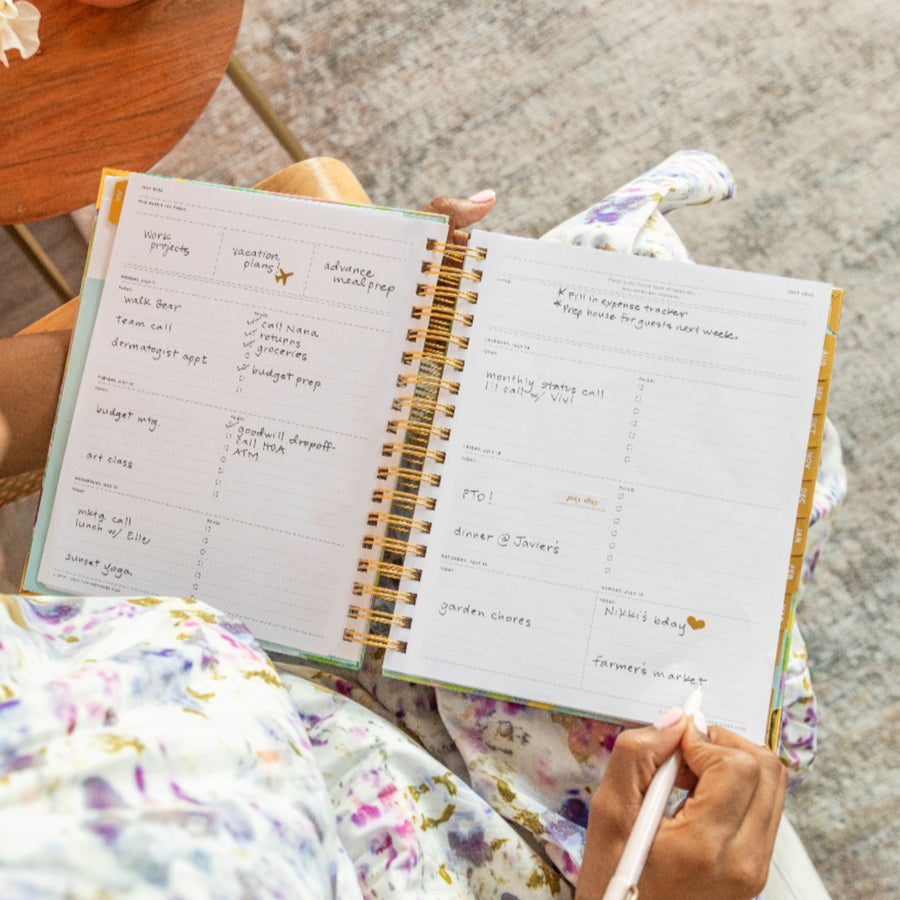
[149, 747]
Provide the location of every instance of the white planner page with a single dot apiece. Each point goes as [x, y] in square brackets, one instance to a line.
[234, 400]
[616, 511]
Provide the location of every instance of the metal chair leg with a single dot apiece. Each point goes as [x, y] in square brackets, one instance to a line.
[35, 253]
[261, 106]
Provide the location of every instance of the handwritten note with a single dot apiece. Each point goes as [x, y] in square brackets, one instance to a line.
[616, 511]
[234, 399]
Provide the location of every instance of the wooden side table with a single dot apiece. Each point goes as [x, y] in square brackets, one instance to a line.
[108, 87]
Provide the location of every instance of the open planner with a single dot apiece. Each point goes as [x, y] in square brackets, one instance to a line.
[553, 474]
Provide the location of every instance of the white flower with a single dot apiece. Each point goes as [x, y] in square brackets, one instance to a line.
[18, 28]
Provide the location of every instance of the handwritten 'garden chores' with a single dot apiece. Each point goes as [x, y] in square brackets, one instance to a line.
[233, 402]
[616, 510]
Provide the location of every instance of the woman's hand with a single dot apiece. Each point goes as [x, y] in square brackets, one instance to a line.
[719, 844]
[463, 213]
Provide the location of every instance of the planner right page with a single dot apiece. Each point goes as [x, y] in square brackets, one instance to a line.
[617, 506]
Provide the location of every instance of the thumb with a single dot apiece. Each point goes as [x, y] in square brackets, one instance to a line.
[698, 747]
[463, 213]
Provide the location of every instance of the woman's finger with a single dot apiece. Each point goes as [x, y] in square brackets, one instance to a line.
[463, 213]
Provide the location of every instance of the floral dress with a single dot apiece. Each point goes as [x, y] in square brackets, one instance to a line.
[150, 748]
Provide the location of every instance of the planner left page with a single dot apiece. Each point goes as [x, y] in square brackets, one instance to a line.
[235, 390]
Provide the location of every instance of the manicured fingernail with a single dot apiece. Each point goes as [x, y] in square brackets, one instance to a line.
[483, 196]
[667, 719]
[700, 722]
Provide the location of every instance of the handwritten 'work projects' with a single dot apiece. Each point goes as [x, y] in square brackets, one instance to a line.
[616, 509]
[233, 401]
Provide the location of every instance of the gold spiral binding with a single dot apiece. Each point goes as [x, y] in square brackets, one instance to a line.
[416, 427]
[404, 499]
[376, 615]
[410, 356]
[446, 292]
[402, 522]
[390, 595]
[413, 475]
[457, 252]
[451, 274]
[415, 335]
[394, 545]
[428, 381]
[389, 570]
[418, 453]
[397, 521]
[374, 640]
[445, 313]
[425, 405]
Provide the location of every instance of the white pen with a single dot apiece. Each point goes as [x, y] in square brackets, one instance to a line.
[623, 885]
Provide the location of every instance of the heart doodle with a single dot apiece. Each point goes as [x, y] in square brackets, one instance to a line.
[696, 624]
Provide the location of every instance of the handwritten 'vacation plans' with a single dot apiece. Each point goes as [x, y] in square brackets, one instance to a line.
[234, 398]
[615, 514]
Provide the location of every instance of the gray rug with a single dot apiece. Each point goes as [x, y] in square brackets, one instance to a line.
[554, 104]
